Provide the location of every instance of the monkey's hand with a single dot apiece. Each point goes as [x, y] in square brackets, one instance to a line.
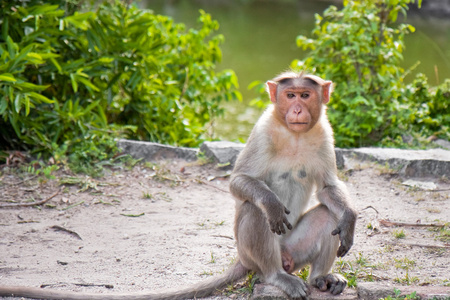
[276, 213]
[345, 229]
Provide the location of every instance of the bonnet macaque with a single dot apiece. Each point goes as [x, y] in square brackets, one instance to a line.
[290, 155]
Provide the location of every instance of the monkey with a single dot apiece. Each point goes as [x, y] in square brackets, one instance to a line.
[289, 156]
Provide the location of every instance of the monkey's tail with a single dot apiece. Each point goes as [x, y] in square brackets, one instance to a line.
[202, 289]
[206, 288]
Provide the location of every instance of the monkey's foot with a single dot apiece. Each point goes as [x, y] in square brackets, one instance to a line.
[292, 285]
[333, 282]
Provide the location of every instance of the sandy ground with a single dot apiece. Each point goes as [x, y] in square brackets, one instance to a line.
[170, 225]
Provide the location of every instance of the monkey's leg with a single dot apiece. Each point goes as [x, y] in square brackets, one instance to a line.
[259, 250]
[311, 242]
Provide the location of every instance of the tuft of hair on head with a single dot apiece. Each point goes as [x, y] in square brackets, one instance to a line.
[284, 77]
[288, 75]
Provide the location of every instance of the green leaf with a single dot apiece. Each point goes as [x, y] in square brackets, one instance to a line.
[43, 9]
[3, 105]
[27, 105]
[30, 86]
[40, 97]
[12, 47]
[18, 102]
[87, 83]
[56, 64]
[74, 83]
[79, 20]
[23, 53]
[35, 58]
[7, 77]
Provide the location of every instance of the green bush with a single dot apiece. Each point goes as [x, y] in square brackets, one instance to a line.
[360, 49]
[70, 82]
[430, 107]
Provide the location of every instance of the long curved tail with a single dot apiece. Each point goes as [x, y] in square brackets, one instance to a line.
[206, 288]
[200, 290]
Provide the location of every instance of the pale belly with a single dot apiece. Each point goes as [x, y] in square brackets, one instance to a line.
[294, 189]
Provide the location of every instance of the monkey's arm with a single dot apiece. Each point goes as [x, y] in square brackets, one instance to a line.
[335, 196]
[247, 188]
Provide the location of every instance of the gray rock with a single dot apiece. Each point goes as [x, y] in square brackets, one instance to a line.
[153, 151]
[340, 161]
[375, 291]
[222, 152]
[443, 144]
[424, 185]
[411, 163]
[263, 291]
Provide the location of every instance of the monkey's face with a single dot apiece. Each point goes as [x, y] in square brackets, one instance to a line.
[298, 103]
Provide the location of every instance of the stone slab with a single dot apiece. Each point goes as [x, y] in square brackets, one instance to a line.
[376, 290]
[222, 152]
[411, 163]
[263, 291]
[153, 151]
[365, 291]
[443, 144]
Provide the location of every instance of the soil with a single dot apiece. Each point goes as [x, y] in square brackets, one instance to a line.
[170, 225]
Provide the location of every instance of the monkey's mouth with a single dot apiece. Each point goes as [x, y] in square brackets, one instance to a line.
[298, 123]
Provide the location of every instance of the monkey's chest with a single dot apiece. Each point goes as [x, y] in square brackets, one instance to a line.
[293, 187]
[293, 177]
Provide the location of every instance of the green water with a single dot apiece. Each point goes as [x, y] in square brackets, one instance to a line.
[260, 43]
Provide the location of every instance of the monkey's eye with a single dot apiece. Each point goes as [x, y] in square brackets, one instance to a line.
[305, 95]
[290, 95]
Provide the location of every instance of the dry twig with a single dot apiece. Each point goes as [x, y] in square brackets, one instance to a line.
[223, 236]
[445, 246]
[59, 228]
[370, 206]
[211, 185]
[388, 223]
[30, 203]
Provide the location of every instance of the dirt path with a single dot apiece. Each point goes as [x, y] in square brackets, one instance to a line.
[141, 229]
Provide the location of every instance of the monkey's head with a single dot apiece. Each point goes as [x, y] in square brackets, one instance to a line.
[298, 99]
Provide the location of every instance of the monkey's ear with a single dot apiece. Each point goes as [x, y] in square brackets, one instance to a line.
[272, 90]
[327, 88]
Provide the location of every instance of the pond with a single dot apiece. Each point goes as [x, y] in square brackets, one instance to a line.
[260, 43]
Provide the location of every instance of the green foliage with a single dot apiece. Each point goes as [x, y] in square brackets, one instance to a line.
[399, 234]
[442, 233]
[70, 82]
[360, 269]
[346, 269]
[38, 168]
[397, 296]
[407, 265]
[304, 273]
[249, 284]
[360, 49]
[431, 107]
